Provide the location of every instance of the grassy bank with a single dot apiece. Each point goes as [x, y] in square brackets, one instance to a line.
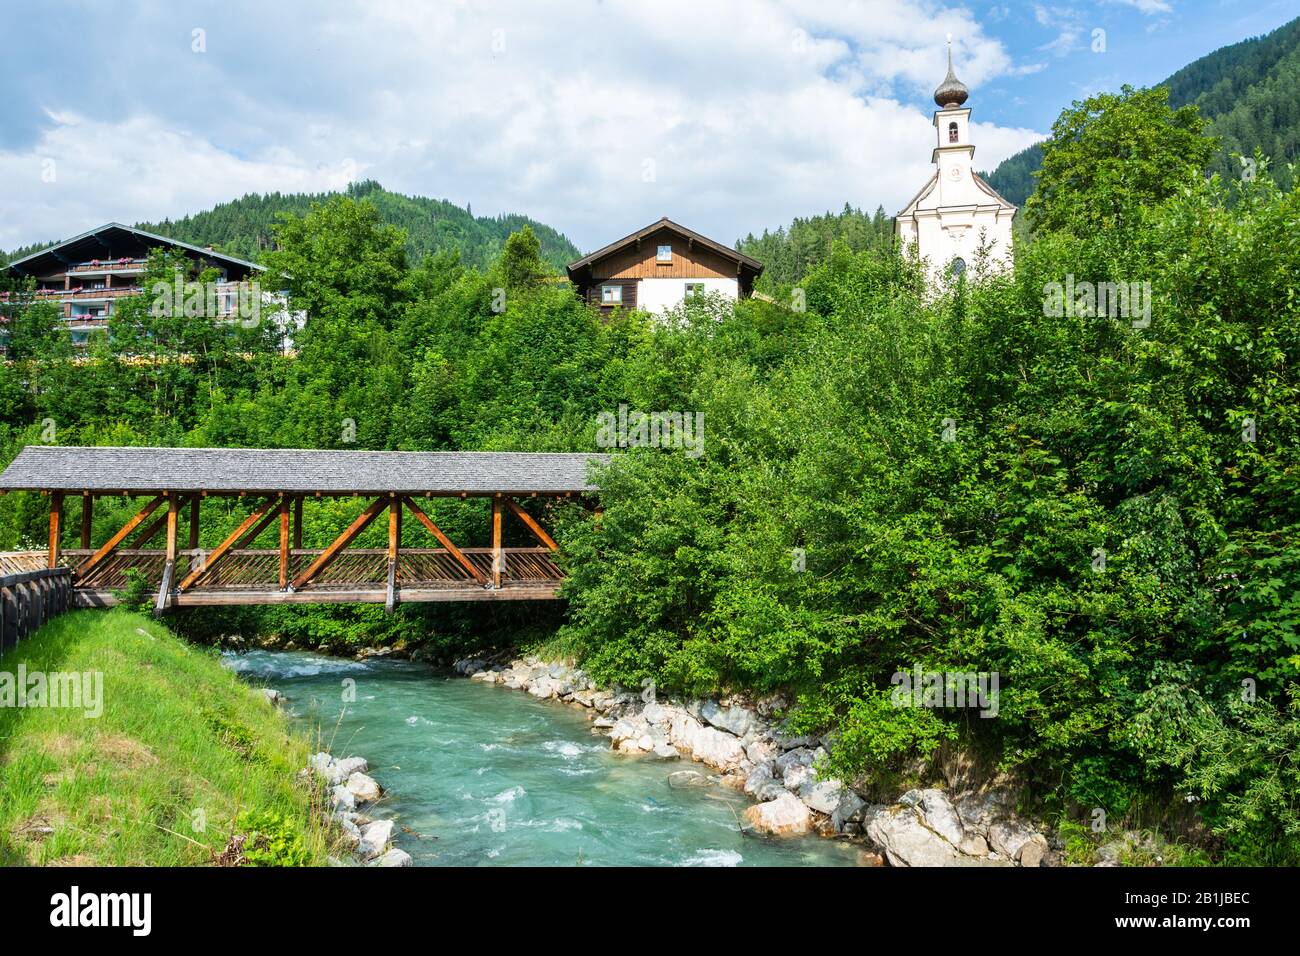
[182, 757]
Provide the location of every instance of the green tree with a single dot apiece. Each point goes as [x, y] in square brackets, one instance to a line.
[1111, 154]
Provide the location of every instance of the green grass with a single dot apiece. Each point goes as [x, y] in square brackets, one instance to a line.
[181, 751]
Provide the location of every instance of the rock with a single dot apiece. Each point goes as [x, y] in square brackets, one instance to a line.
[937, 813]
[320, 761]
[602, 723]
[350, 765]
[273, 696]
[717, 749]
[1033, 850]
[488, 677]
[1007, 837]
[784, 816]
[824, 796]
[364, 788]
[351, 832]
[979, 810]
[374, 838]
[789, 742]
[393, 858]
[341, 798]
[734, 720]
[687, 779]
[628, 728]
[542, 687]
[664, 750]
[906, 841]
[584, 697]
[760, 751]
[848, 812]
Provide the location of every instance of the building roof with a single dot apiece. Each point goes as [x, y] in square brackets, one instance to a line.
[268, 470]
[111, 241]
[746, 262]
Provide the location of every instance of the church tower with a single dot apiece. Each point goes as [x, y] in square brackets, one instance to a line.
[956, 211]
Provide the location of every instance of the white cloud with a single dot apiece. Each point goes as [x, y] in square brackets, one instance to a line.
[751, 113]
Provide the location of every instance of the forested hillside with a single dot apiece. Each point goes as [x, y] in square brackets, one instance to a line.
[1248, 93]
[788, 254]
[244, 227]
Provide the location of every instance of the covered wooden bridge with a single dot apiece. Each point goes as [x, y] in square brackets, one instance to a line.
[277, 486]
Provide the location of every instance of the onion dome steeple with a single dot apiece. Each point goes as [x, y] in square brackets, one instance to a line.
[952, 92]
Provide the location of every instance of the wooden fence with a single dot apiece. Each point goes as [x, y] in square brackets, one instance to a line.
[29, 599]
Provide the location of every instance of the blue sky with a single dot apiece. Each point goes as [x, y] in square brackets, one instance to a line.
[594, 116]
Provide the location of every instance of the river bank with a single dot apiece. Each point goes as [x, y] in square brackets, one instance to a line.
[164, 759]
[743, 742]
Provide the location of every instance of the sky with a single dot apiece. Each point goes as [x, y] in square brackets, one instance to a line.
[593, 116]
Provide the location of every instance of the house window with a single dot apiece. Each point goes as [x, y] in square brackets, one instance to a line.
[611, 295]
[694, 288]
[952, 132]
[958, 266]
[665, 254]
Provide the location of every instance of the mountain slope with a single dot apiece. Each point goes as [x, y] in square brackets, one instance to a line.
[1246, 91]
[242, 227]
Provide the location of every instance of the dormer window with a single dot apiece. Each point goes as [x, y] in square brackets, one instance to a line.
[665, 254]
[952, 132]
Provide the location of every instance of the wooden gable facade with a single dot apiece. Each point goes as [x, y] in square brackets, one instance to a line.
[663, 250]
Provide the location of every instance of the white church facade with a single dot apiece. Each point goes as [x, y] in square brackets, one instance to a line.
[956, 213]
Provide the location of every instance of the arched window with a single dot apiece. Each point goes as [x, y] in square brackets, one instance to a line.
[952, 132]
[958, 266]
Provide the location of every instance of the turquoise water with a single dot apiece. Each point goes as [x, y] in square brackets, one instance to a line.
[479, 775]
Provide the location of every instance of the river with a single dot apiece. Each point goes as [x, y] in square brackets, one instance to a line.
[484, 776]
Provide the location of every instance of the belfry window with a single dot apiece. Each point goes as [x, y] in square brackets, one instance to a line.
[952, 132]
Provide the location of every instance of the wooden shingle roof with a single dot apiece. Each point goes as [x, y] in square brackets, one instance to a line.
[295, 471]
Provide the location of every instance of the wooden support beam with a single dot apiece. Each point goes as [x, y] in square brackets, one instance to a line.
[339, 543]
[169, 568]
[56, 528]
[145, 536]
[284, 543]
[220, 551]
[194, 522]
[443, 540]
[249, 538]
[87, 516]
[297, 523]
[394, 544]
[498, 556]
[531, 524]
[111, 544]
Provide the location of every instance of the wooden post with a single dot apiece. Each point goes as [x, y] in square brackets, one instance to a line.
[297, 523]
[169, 568]
[194, 522]
[87, 516]
[56, 527]
[394, 544]
[284, 543]
[498, 558]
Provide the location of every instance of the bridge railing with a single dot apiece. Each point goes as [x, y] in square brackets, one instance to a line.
[258, 568]
[29, 599]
